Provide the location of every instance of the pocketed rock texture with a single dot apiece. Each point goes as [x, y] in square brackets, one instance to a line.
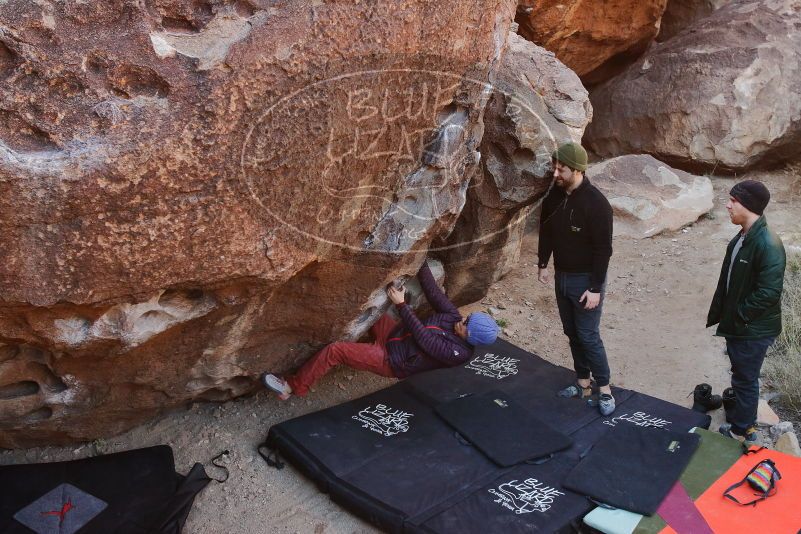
[192, 192]
[589, 36]
[723, 95]
[537, 104]
[648, 197]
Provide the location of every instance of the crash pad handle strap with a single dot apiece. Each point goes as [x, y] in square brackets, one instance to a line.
[224, 468]
[272, 458]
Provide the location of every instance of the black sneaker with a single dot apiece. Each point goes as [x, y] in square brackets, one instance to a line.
[703, 400]
[729, 401]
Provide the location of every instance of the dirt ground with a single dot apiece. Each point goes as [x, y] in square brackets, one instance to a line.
[658, 295]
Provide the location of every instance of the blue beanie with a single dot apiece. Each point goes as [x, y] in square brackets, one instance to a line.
[481, 329]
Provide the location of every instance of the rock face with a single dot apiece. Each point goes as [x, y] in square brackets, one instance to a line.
[591, 37]
[724, 94]
[680, 14]
[648, 197]
[192, 192]
[537, 104]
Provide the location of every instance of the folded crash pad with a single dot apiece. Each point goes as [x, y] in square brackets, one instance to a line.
[390, 458]
[501, 428]
[633, 467]
[132, 492]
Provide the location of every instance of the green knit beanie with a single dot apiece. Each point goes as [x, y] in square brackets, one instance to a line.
[571, 154]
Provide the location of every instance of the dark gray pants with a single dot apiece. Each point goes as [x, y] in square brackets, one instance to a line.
[582, 327]
[746, 357]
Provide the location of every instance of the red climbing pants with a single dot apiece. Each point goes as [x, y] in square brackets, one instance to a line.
[371, 357]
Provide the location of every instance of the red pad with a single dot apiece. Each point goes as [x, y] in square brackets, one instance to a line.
[779, 514]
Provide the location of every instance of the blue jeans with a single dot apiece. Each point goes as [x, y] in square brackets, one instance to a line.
[746, 357]
[582, 327]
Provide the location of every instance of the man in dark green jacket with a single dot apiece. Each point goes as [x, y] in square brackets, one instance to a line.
[747, 303]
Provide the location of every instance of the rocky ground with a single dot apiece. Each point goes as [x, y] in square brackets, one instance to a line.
[658, 292]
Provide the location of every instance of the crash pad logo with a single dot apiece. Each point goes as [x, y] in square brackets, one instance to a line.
[640, 419]
[493, 366]
[63, 510]
[384, 420]
[525, 497]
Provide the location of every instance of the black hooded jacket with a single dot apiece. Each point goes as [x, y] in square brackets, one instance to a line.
[577, 229]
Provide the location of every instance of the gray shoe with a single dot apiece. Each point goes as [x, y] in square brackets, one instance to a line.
[277, 384]
[750, 438]
[574, 390]
[605, 403]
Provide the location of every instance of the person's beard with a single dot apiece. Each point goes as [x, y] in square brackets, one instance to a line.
[564, 183]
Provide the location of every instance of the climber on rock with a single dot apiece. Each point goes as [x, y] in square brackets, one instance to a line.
[400, 349]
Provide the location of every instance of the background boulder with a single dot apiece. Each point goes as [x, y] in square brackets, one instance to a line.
[594, 39]
[722, 95]
[648, 197]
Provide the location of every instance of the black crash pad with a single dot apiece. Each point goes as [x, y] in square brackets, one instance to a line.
[391, 459]
[525, 377]
[633, 467]
[132, 492]
[527, 498]
[502, 429]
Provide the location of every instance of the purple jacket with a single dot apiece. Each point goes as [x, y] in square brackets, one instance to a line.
[415, 346]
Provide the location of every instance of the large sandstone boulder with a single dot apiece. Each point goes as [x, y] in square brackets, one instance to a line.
[679, 14]
[193, 191]
[648, 197]
[592, 38]
[537, 103]
[724, 94]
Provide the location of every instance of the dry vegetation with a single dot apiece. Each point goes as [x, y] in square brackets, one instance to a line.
[783, 365]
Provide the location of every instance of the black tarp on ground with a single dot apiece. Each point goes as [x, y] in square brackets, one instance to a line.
[132, 492]
[390, 459]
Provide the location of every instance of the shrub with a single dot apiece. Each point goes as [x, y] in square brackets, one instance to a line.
[783, 364]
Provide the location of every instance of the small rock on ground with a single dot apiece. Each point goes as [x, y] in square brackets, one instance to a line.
[781, 428]
[765, 414]
[788, 444]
